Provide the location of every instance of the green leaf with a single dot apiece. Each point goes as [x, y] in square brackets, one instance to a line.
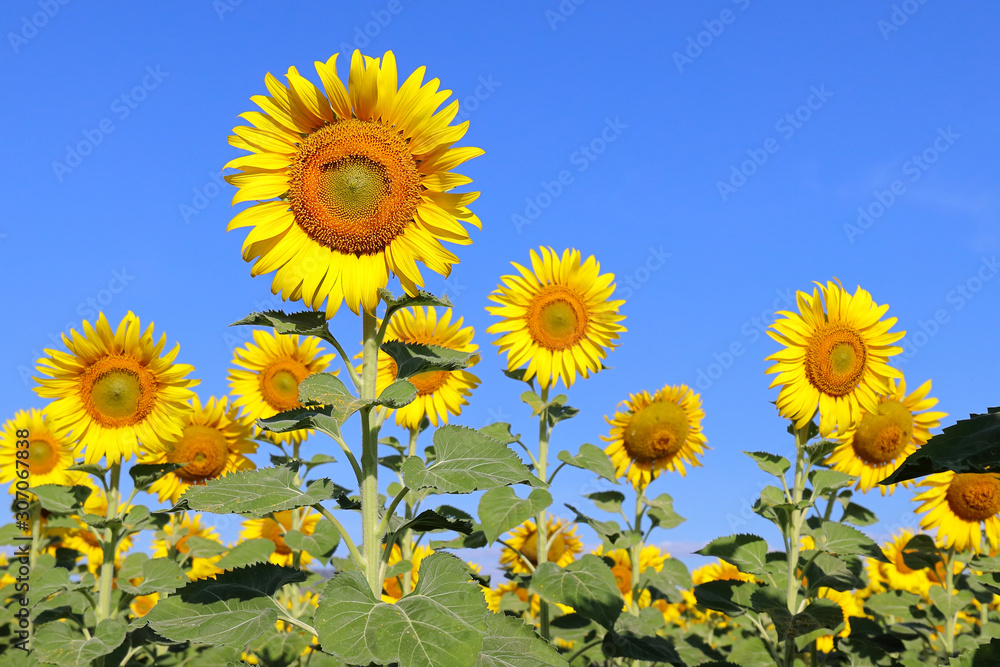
[634, 637]
[326, 389]
[609, 530]
[661, 512]
[144, 474]
[230, 610]
[59, 644]
[321, 543]
[440, 624]
[61, 499]
[319, 417]
[306, 323]
[818, 451]
[724, 596]
[397, 395]
[893, 603]
[159, 575]
[422, 298]
[842, 540]
[771, 601]
[247, 552]
[592, 458]
[199, 547]
[511, 643]
[747, 552]
[500, 431]
[431, 520]
[858, 515]
[608, 501]
[501, 509]
[587, 585]
[533, 401]
[949, 605]
[771, 463]
[466, 461]
[968, 445]
[825, 480]
[921, 552]
[412, 359]
[819, 613]
[45, 582]
[256, 493]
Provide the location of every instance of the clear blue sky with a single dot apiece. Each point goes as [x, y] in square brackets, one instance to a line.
[716, 155]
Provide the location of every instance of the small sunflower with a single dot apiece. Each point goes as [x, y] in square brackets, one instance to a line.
[215, 442]
[362, 180]
[392, 592]
[656, 433]
[438, 392]
[896, 575]
[49, 451]
[114, 390]
[268, 377]
[524, 538]
[197, 568]
[875, 446]
[835, 357]
[557, 317]
[649, 557]
[850, 605]
[275, 529]
[143, 604]
[959, 506]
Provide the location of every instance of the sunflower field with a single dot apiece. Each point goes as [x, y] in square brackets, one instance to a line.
[409, 537]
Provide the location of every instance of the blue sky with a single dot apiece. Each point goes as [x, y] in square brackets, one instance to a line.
[716, 156]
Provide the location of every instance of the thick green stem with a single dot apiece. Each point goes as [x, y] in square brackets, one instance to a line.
[541, 521]
[949, 586]
[405, 546]
[36, 532]
[635, 552]
[107, 574]
[795, 529]
[371, 539]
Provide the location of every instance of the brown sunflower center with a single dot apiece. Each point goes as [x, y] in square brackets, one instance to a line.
[118, 391]
[557, 318]
[429, 382]
[901, 564]
[354, 186]
[279, 383]
[143, 604]
[530, 548]
[271, 530]
[43, 455]
[657, 431]
[883, 434]
[836, 359]
[974, 496]
[623, 577]
[206, 451]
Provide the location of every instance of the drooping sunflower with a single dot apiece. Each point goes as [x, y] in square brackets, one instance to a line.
[215, 442]
[48, 453]
[557, 317]
[439, 393]
[392, 592]
[271, 369]
[190, 526]
[959, 506]
[363, 180]
[524, 538]
[114, 390]
[656, 433]
[850, 605]
[835, 357]
[875, 446]
[896, 575]
[275, 529]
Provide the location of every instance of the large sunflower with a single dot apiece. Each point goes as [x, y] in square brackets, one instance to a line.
[215, 442]
[850, 605]
[115, 391]
[557, 317]
[959, 506]
[392, 591]
[362, 178]
[524, 538]
[438, 392]
[267, 381]
[48, 450]
[835, 357]
[873, 447]
[189, 526]
[275, 529]
[655, 433]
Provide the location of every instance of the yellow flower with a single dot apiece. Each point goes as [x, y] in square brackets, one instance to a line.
[835, 357]
[268, 377]
[392, 592]
[214, 442]
[197, 568]
[896, 575]
[275, 529]
[144, 604]
[438, 392]
[114, 390]
[719, 571]
[874, 447]
[362, 178]
[556, 317]
[48, 451]
[959, 506]
[649, 557]
[656, 433]
[524, 538]
[849, 606]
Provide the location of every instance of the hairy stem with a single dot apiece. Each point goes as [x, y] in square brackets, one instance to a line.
[795, 529]
[369, 457]
[541, 521]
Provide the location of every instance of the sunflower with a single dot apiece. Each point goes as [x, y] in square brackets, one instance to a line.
[655, 433]
[529, 602]
[438, 392]
[86, 539]
[49, 451]
[392, 591]
[114, 390]
[275, 528]
[896, 575]
[719, 571]
[850, 605]
[143, 604]
[271, 369]
[197, 568]
[880, 441]
[649, 557]
[524, 538]
[362, 180]
[835, 357]
[215, 442]
[557, 317]
[958, 505]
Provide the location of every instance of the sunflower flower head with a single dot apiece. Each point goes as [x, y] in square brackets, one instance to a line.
[524, 538]
[557, 317]
[835, 357]
[392, 590]
[49, 450]
[274, 528]
[353, 184]
[849, 604]
[961, 506]
[176, 534]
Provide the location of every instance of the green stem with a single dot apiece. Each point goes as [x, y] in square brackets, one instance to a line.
[405, 548]
[541, 521]
[107, 574]
[634, 552]
[369, 457]
[359, 560]
[949, 581]
[36, 532]
[584, 649]
[795, 528]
